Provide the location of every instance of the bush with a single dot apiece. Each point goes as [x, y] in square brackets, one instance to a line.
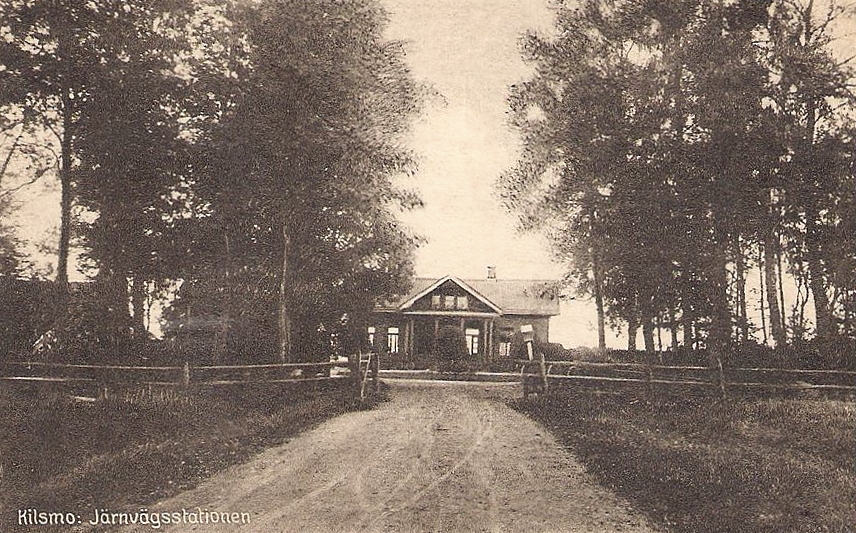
[452, 353]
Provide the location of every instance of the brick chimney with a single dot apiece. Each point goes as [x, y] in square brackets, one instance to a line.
[491, 272]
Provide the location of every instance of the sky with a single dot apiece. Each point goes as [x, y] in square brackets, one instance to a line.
[469, 53]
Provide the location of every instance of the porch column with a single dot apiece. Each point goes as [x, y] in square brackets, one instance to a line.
[404, 347]
[485, 341]
[489, 350]
[436, 332]
[411, 348]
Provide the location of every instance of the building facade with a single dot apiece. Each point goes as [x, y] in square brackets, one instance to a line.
[488, 312]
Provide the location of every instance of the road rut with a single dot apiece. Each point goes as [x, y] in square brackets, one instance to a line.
[436, 457]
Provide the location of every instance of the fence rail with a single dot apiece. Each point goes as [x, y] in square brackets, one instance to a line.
[693, 377]
[364, 370]
[359, 368]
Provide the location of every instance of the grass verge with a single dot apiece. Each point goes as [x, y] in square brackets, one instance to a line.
[140, 446]
[701, 465]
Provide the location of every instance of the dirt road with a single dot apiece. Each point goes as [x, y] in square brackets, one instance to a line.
[436, 457]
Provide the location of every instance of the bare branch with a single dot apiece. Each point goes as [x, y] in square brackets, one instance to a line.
[51, 128]
[12, 125]
[9, 155]
[34, 179]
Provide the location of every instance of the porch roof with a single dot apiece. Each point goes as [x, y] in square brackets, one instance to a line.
[450, 313]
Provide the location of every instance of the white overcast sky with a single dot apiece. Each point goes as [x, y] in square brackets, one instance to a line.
[468, 51]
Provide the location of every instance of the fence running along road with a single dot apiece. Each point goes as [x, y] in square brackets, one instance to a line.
[362, 370]
[622, 377]
[537, 375]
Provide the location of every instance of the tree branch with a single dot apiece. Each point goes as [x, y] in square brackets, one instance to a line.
[9, 155]
[36, 178]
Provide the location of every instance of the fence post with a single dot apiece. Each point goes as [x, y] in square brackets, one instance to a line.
[376, 371]
[720, 376]
[354, 366]
[185, 375]
[542, 368]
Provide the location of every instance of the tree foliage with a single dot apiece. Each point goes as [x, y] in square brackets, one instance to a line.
[298, 181]
[243, 152]
[662, 142]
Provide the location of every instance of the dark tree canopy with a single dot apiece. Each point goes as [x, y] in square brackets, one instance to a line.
[246, 153]
[298, 183]
[664, 142]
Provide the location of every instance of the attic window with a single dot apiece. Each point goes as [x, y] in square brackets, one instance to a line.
[449, 302]
[436, 302]
[462, 303]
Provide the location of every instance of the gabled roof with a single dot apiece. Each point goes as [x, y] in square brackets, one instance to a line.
[509, 296]
[409, 301]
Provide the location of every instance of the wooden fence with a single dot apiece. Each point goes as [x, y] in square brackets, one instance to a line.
[362, 371]
[539, 375]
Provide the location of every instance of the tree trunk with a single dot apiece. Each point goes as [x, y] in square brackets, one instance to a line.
[776, 323]
[598, 299]
[817, 279]
[762, 293]
[687, 322]
[743, 318]
[138, 300]
[673, 329]
[848, 311]
[817, 275]
[113, 298]
[285, 352]
[222, 340]
[632, 329]
[782, 306]
[648, 334]
[647, 325]
[65, 198]
[720, 326]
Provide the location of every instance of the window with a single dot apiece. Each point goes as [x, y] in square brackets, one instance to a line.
[462, 303]
[505, 349]
[392, 340]
[472, 340]
[436, 302]
[371, 332]
[449, 302]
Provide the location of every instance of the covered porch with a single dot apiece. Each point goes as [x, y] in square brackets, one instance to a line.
[420, 331]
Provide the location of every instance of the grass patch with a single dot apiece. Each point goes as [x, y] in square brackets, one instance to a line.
[140, 446]
[701, 465]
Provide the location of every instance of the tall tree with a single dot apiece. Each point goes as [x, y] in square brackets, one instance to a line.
[83, 71]
[300, 175]
[811, 93]
[691, 128]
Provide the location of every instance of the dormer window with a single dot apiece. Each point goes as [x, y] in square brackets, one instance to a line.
[448, 302]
